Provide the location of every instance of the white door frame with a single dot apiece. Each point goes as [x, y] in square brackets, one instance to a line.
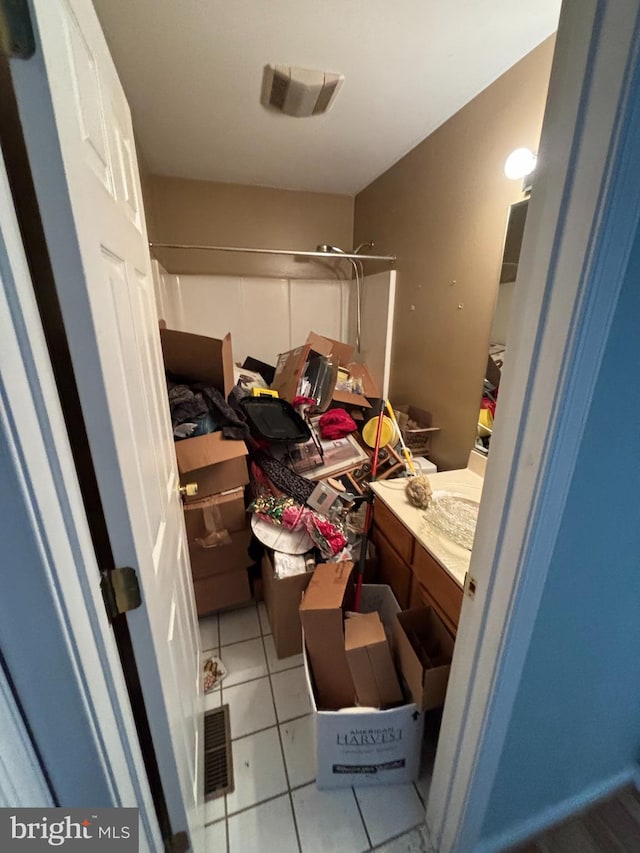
[583, 217]
[56, 640]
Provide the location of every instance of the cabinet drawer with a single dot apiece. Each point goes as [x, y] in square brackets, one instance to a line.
[438, 584]
[394, 531]
[393, 571]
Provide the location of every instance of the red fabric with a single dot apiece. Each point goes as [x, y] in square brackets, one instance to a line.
[303, 401]
[336, 423]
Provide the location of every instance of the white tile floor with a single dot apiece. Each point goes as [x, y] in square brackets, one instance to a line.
[276, 807]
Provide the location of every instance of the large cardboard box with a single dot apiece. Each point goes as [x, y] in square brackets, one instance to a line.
[199, 359]
[224, 511]
[210, 553]
[218, 591]
[369, 658]
[425, 650]
[290, 368]
[344, 354]
[214, 464]
[282, 598]
[329, 593]
[231, 557]
[363, 747]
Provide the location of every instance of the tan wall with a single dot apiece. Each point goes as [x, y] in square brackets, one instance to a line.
[442, 210]
[205, 212]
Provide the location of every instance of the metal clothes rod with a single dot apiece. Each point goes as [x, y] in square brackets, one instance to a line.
[244, 249]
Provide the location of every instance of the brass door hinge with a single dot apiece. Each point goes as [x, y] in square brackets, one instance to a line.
[120, 591]
[16, 31]
[470, 585]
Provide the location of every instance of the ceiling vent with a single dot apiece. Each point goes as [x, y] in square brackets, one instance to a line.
[299, 92]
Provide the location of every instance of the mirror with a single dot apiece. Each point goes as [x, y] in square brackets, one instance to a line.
[514, 232]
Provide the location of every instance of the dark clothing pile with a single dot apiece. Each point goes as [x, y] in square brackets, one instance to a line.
[205, 407]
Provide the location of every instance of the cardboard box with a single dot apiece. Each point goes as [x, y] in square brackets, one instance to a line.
[218, 591]
[425, 650]
[217, 559]
[369, 387]
[214, 464]
[344, 354]
[369, 658]
[417, 438]
[328, 346]
[329, 592]
[282, 598]
[290, 369]
[199, 359]
[362, 747]
[224, 511]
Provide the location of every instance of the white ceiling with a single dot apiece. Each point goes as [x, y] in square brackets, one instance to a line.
[192, 71]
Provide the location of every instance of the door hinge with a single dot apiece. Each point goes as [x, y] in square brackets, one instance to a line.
[120, 591]
[16, 31]
[177, 843]
[470, 585]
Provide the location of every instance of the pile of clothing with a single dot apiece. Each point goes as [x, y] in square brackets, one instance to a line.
[198, 410]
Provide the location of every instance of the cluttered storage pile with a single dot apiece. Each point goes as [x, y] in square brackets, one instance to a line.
[275, 464]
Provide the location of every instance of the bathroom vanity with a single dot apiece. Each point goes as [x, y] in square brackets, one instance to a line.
[419, 562]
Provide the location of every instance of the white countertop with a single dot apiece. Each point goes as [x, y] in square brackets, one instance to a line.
[465, 482]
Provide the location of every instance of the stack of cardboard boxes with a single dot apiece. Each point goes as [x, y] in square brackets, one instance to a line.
[216, 522]
[368, 729]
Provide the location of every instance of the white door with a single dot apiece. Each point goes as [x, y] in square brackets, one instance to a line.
[80, 142]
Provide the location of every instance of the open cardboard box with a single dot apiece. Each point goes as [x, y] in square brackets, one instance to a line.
[425, 650]
[212, 462]
[328, 595]
[369, 659]
[282, 598]
[290, 369]
[365, 746]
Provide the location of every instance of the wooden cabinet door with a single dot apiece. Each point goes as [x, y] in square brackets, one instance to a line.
[439, 585]
[394, 531]
[392, 569]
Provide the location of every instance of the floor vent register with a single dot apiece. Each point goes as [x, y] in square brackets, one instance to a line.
[218, 766]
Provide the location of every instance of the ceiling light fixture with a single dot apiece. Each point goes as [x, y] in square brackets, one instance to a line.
[299, 92]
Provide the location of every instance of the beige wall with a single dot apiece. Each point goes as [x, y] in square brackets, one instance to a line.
[442, 210]
[205, 212]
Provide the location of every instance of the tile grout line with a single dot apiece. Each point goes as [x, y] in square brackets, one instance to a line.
[267, 673]
[272, 726]
[254, 805]
[364, 823]
[399, 836]
[226, 816]
[284, 760]
[226, 806]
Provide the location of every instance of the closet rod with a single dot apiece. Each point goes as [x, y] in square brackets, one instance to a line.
[336, 255]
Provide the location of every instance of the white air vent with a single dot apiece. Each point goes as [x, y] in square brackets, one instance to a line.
[299, 91]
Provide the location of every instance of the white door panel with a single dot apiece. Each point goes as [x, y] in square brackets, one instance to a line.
[89, 194]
